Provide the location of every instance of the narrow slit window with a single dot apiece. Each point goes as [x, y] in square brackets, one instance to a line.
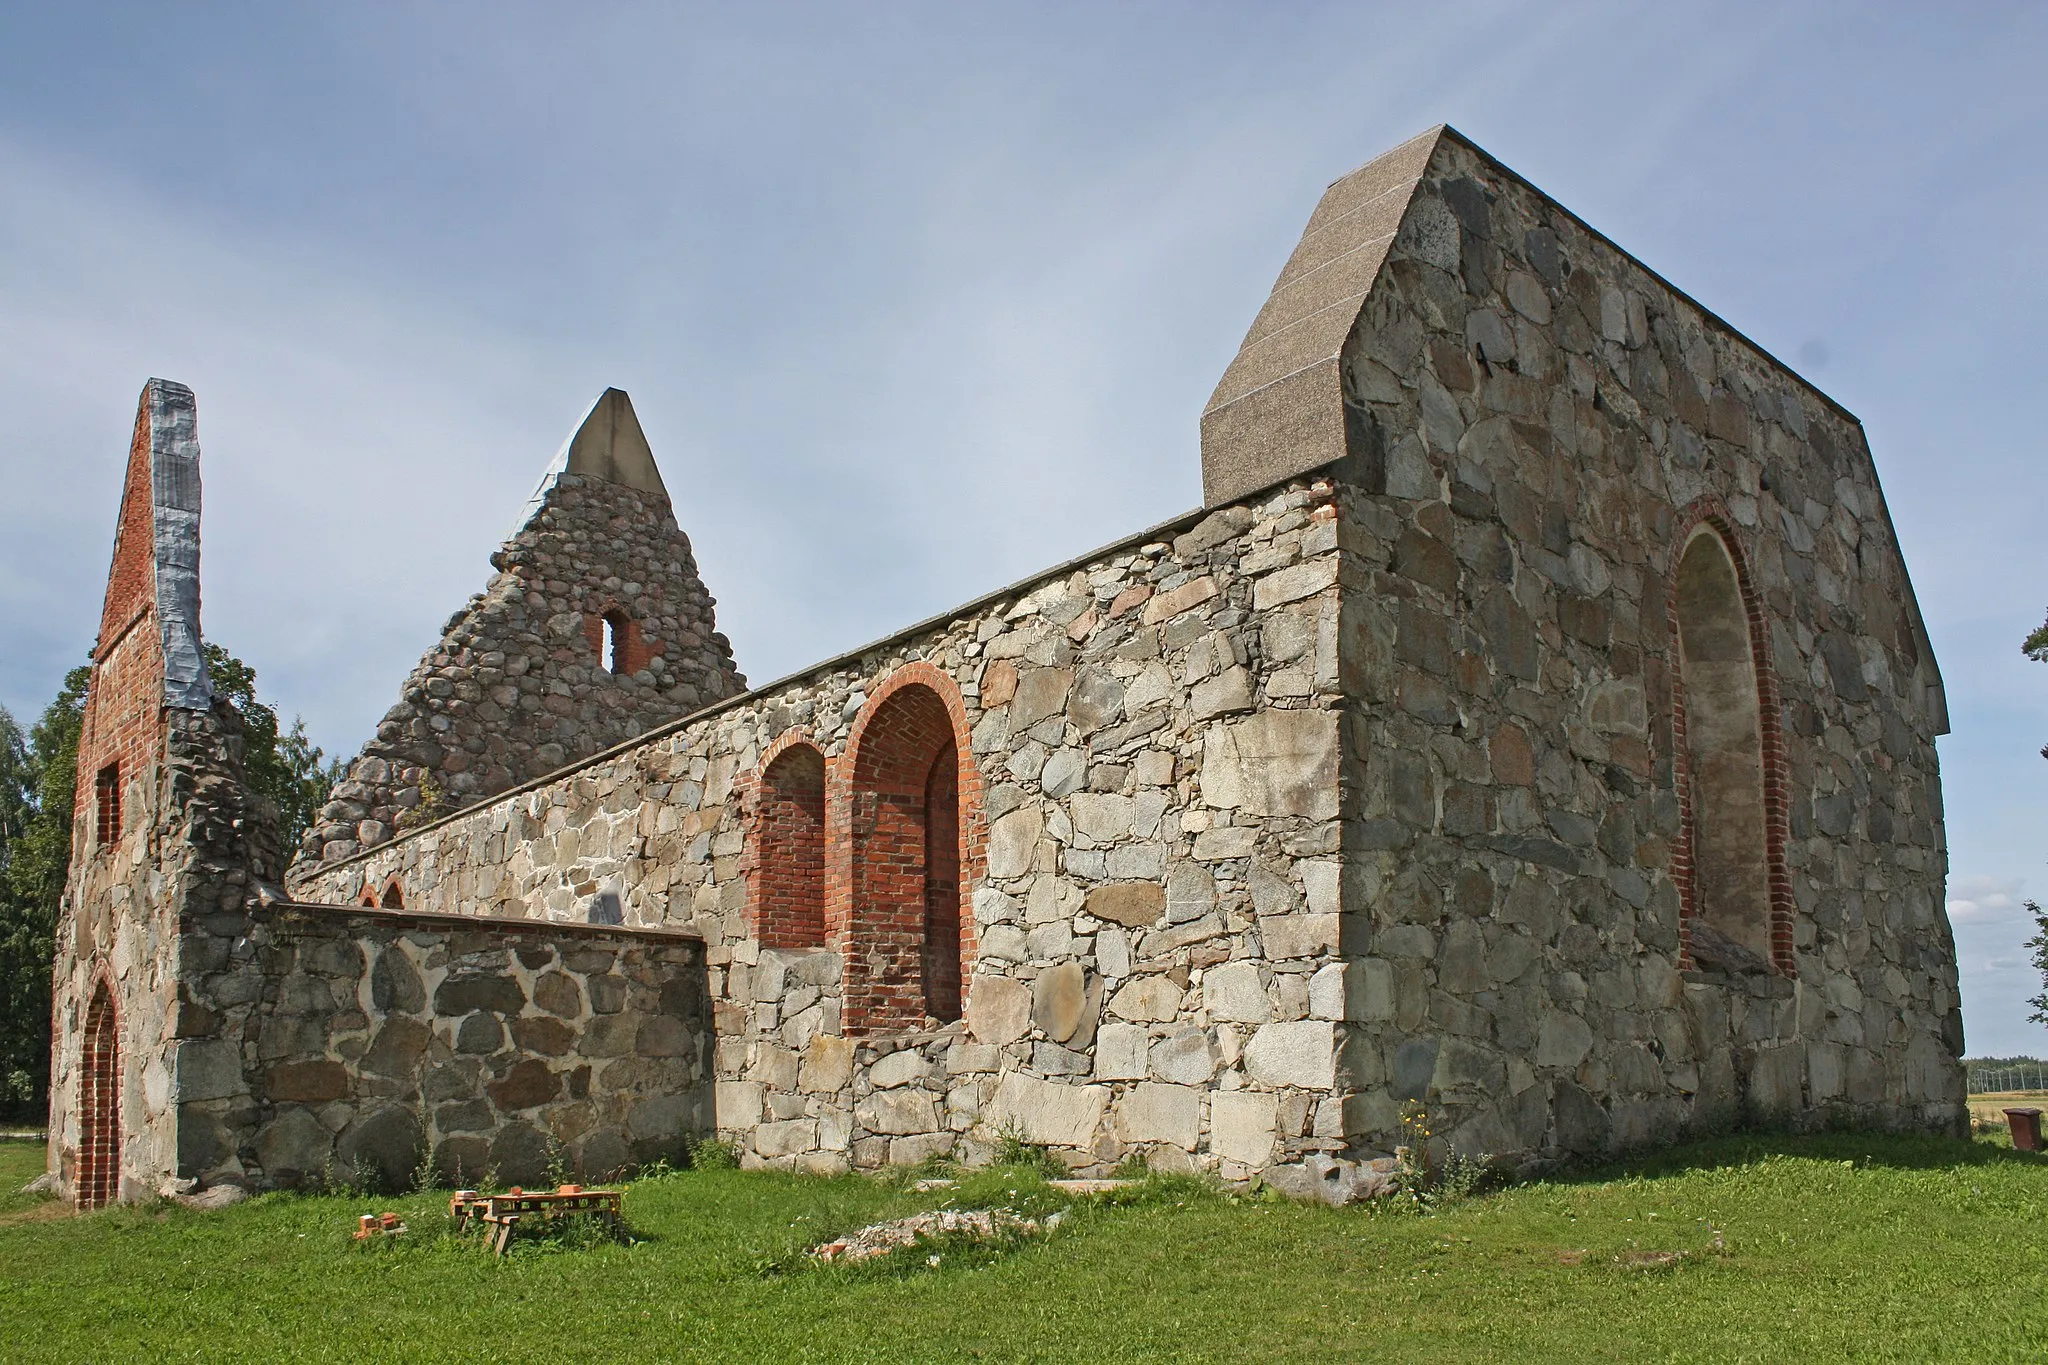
[615, 642]
[107, 803]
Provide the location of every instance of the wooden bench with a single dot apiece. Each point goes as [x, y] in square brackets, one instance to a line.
[502, 1213]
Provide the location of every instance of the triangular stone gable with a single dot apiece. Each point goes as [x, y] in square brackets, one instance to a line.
[1297, 398]
[519, 683]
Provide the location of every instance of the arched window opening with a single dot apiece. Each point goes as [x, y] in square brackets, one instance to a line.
[98, 1180]
[789, 851]
[1723, 762]
[615, 633]
[394, 898]
[369, 900]
[904, 963]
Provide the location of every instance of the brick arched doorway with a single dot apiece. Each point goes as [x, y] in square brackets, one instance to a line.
[99, 1105]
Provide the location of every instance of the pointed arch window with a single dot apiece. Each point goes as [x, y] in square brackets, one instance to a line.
[1727, 757]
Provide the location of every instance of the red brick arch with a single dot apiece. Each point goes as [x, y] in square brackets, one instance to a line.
[899, 890]
[1711, 514]
[784, 856]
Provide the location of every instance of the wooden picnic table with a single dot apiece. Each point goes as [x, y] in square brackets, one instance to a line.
[501, 1213]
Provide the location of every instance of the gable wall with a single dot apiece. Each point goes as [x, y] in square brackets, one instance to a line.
[1548, 420]
[517, 686]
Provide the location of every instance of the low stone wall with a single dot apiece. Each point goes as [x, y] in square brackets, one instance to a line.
[317, 1043]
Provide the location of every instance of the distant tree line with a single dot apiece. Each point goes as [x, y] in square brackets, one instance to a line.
[38, 783]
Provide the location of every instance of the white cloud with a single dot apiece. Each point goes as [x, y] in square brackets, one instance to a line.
[1980, 899]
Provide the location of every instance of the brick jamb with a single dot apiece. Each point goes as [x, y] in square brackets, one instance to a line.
[1711, 514]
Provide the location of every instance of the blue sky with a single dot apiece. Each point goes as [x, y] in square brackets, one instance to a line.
[916, 299]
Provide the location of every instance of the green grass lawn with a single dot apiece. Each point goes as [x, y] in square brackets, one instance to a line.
[1841, 1246]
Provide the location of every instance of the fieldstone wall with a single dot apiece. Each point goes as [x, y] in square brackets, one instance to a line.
[1368, 785]
[1365, 789]
[518, 685]
[319, 1044]
[1154, 731]
[1545, 422]
[194, 842]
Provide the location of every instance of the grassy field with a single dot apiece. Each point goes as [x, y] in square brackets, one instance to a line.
[1987, 1109]
[1838, 1246]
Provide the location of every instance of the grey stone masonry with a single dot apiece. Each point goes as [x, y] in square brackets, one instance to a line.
[518, 685]
[315, 1043]
[1536, 728]
[1545, 423]
[1369, 787]
[1155, 729]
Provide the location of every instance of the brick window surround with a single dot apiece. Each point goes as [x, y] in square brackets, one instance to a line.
[1728, 747]
[98, 1181]
[785, 852]
[616, 639]
[905, 846]
[106, 789]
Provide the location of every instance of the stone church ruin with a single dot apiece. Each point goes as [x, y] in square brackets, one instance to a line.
[1534, 723]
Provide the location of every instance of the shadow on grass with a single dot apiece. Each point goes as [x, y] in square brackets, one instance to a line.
[1746, 1145]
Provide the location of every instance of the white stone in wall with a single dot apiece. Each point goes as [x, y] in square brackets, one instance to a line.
[1112, 952]
[1236, 991]
[1292, 584]
[828, 1064]
[1329, 992]
[1120, 1052]
[898, 1068]
[1274, 763]
[897, 1112]
[736, 1104]
[1285, 937]
[1301, 1053]
[998, 1009]
[1563, 1040]
[1186, 1056]
[1151, 1112]
[1048, 1112]
[1147, 999]
[1243, 1126]
[1321, 883]
[1013, 842]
